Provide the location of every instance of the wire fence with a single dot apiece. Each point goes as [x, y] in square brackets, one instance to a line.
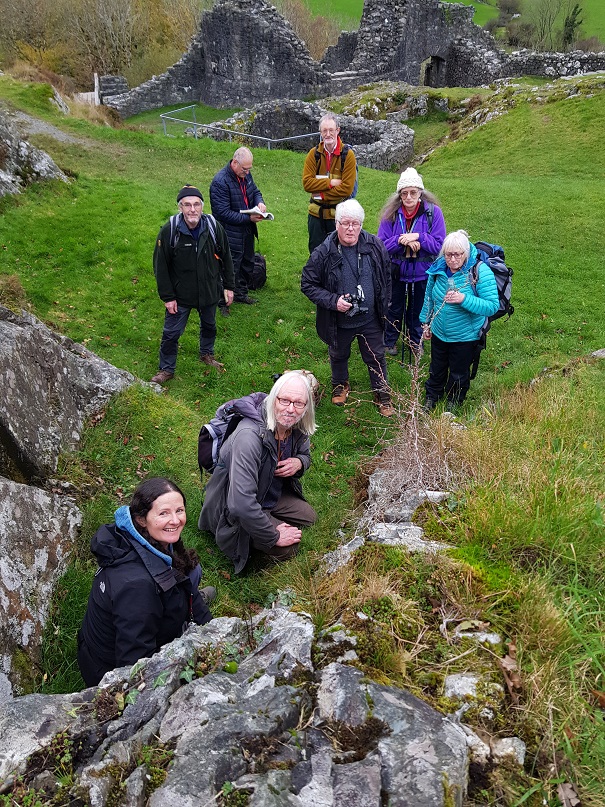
[190, 126]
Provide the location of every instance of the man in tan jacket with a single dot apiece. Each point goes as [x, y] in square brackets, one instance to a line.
[329, 175]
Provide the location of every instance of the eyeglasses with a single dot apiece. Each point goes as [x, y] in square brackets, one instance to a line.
[350, 225]
[455, 255]
[324, 132]
[193, 205]
[245, 168]
[286, 402]
[409, 193]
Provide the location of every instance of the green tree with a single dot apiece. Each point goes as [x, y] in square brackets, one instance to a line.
[571, 25]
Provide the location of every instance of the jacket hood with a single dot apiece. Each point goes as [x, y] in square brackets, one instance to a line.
[124, 522]
[110, 547]
[440, 266]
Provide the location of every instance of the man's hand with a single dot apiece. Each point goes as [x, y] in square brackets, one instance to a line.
[334, 182]
[288, 467]
[228, 294]
[171, 307]
[342, 305]
[255, 217]
[262, 206]
[288, 535]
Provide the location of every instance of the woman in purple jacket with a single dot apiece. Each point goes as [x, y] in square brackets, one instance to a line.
[412, 229]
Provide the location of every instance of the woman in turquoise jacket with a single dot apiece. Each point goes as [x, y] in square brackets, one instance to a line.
[455, 309]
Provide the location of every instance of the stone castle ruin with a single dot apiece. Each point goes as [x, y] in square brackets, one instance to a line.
[246, 53]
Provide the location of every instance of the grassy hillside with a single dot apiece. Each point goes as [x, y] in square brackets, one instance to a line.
[529, 524]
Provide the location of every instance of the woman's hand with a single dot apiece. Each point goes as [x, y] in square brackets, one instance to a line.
[288, 535]
[426, 331]
[409, 239]
[454, 296]
[288, 467]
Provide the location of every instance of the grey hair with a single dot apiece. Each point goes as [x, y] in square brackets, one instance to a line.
[307, 423]
[241, 153]
[350, 208]
[456, 240]
[329, 116]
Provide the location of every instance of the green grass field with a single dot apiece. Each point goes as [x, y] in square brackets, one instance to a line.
[530, 520]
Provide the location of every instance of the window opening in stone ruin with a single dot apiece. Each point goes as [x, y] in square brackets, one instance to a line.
[432, 72]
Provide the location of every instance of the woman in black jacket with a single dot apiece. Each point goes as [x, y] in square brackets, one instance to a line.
[145, 592]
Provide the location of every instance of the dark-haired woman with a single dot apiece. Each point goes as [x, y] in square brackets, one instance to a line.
[412, 229]
[144, 593]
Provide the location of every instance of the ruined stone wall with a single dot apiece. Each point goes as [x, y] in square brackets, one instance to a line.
[243, 54]
[382, 144]
[246, 53]
[397, 36]
[552, 65]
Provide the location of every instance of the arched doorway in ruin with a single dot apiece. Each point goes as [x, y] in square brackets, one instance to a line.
[432, 72]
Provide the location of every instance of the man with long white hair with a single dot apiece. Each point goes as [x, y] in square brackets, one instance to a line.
[254, 500]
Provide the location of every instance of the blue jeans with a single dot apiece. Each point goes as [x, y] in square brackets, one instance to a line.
[174, 326]
[403, 315]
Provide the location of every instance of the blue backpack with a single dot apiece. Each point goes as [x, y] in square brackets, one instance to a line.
[493, 256]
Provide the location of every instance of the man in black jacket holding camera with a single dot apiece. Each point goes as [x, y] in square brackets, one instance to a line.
[348, 277]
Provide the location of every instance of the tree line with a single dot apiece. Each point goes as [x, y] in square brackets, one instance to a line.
[76, 38]
[543, 25]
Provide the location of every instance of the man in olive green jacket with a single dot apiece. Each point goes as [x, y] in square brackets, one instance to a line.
[190, 262]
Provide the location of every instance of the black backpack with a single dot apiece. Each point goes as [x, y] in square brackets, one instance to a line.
[258, 276]
[493, 256]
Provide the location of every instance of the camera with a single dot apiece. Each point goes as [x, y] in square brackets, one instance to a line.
[357, 304]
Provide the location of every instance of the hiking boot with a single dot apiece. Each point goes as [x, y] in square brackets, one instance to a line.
[208, 358]
[208, 594]
[247, 300]
[392, 350]
[162, 377]
[224, 309]
[340, 393]
[384, 405]
[429, 404]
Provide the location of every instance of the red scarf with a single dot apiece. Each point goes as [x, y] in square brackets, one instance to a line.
[409, 217]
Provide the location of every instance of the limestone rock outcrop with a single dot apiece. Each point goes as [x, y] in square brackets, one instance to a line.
[37, 533]
[274, 724]
[50, 386]
[20, 162]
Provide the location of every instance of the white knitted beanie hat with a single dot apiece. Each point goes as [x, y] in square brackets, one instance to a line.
[410, 178]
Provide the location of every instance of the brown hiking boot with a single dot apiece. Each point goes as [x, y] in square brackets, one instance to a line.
[208, 358]
[340, 393]
[383, 402]
[162, 377]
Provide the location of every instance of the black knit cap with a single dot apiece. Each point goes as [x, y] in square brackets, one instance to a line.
[189, 190]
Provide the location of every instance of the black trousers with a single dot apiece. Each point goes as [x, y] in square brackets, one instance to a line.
[370, 339]
[319, 229]
[450, 370]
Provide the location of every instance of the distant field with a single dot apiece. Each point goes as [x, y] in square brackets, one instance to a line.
[348, 13]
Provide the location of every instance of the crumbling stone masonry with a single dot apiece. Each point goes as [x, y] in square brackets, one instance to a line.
[246, 53]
